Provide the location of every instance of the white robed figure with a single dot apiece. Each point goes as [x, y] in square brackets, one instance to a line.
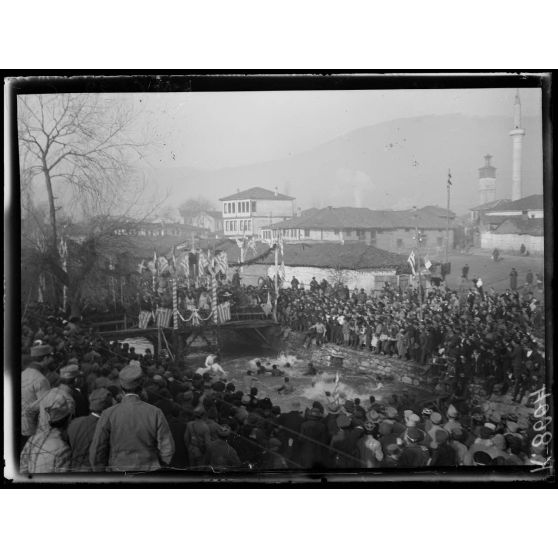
[214, 368]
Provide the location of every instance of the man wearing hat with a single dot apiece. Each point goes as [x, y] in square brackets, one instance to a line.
[47, 450]
[219, 453]
[369, 448]
[34, 386]
[414, 455]
[81, 429]
[132, 435]
[197, 437]
[69, 377]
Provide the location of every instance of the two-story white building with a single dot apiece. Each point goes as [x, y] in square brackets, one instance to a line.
[248, 211]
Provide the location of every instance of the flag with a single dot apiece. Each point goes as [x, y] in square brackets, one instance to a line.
[427, 263]
[162, 264]
[449, 179]
[267, 307]
[221, 263]
[144, 318]
[224, 312]
[183, 262]
[163, 317]
[411, 260]
[202, 263]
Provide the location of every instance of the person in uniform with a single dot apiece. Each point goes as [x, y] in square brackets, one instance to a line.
[131, 435]
[82, 429]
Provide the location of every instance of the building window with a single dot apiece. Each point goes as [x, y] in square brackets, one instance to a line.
[440, 241]
[399, 243]
[335, 231]
[253, 206]
[306, 233]
[361, 234]
[224, 208]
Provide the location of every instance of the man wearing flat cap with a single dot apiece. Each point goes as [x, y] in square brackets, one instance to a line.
[64, 391]
[81, 429]
[131, 435]
[34, 386]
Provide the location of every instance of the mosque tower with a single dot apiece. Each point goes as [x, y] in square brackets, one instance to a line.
[517, 145]
[487, 181]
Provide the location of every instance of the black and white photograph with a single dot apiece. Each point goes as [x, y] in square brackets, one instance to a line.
[269, 279]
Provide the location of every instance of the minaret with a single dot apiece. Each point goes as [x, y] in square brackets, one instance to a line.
[487, 181]
[517, 144]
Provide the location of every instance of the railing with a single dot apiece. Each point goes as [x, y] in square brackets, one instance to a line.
[112, 325]
[248, 313]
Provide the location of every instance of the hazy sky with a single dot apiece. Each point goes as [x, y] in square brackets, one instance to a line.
[214, 130]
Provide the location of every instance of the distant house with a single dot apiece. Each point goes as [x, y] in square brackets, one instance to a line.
[356, 265]
[210, 220]
[509, 225]
[389, 230]
[247, 212]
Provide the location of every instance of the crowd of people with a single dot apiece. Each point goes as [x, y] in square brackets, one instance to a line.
[89, 405]
[494, 337]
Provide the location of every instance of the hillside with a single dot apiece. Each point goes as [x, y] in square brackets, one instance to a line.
[392, 165]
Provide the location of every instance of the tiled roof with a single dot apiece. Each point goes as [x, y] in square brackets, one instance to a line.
[344, 256]
[256, 193]
[364, 218]
[490, 205]
[523, 204]
[517, 225]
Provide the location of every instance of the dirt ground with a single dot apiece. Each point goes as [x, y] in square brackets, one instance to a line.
[493, 274]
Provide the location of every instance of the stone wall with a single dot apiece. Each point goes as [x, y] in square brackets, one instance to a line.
[364, 362]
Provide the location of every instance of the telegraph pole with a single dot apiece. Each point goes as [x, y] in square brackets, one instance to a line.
[448, 215]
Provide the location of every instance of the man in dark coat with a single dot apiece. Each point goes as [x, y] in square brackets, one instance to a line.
[313, 441]
[82, 429]
[219, 453]
[513, 279]
[414, 455]
[289, 430]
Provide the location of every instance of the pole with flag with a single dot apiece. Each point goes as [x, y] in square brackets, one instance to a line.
[418, 240]
[448, 215]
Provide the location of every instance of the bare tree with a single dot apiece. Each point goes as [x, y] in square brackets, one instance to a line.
[81, 141]
[84, 147]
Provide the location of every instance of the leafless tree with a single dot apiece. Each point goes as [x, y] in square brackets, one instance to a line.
[83, 149]
[83, 142]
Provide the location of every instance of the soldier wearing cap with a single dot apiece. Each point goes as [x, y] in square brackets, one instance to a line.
[47, 450]
[81, 429]
[131, 435]
[34, 386]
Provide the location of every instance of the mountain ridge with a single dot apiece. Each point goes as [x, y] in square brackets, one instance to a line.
[390, 165]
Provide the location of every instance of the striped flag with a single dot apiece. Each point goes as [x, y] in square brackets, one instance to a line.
[163, 317]
[144, 318]
[224, 312]
[412, 262]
